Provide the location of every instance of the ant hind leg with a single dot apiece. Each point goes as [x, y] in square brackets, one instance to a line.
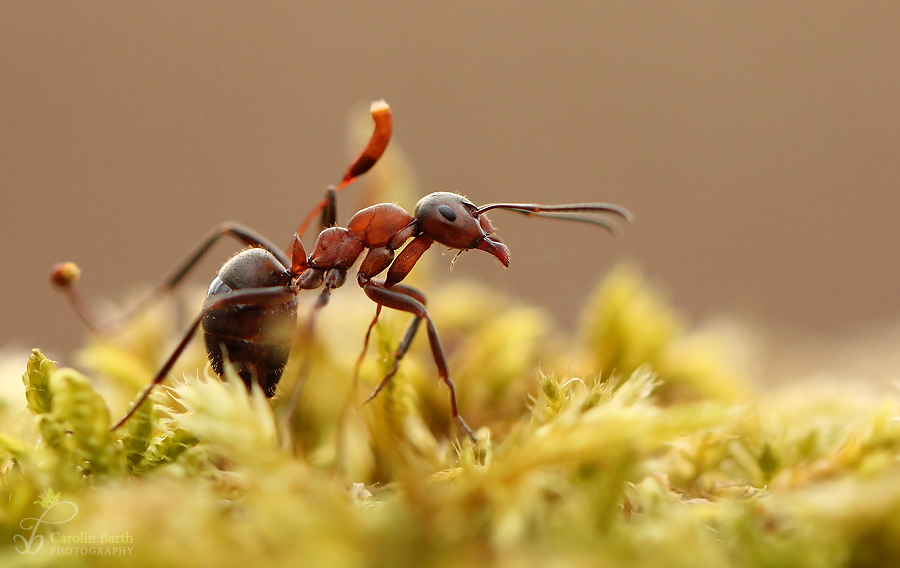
[263, 297]
[65, 274]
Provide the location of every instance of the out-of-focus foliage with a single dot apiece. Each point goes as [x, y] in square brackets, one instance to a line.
[591, 469]
[629, 324]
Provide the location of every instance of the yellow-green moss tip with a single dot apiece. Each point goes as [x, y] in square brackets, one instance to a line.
[640, 444]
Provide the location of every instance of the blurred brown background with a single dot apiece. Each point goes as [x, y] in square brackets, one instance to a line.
[757, 143]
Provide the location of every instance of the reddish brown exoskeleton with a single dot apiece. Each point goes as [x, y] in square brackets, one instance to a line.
[250, 311]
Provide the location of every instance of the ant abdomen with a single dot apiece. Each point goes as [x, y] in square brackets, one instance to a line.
[255, 338]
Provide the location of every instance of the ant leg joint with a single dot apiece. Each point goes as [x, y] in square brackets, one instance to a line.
[335, 278]
[311, 279]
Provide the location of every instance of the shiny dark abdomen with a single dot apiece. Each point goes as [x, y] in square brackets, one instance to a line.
[257, 340]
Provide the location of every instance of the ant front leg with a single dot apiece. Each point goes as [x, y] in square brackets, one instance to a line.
[401, 349]
[333, 278]
[398, 270]
[398, 300]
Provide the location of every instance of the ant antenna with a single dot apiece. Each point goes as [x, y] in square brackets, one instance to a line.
[381, 114]
[584, 212]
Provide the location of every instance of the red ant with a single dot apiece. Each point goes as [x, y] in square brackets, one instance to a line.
[250, 311]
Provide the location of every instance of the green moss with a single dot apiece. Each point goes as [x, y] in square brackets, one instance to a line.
[645, 464]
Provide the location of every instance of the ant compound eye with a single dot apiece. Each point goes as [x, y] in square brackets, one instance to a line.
[447, 212]
[448, 218]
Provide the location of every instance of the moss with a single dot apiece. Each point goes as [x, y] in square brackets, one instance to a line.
[643, 464]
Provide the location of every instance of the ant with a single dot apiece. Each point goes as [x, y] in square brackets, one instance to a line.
[250, 311]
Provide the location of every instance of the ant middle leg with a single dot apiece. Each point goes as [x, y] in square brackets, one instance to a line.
[305, 340]
[333, 278]
[329, 212]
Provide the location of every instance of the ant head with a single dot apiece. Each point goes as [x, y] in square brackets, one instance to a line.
[454, 221]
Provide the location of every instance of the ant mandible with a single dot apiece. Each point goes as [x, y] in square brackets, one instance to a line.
[250, 311]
